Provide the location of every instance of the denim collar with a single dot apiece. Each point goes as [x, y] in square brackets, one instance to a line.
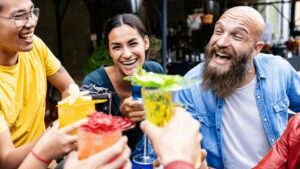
[261, 71]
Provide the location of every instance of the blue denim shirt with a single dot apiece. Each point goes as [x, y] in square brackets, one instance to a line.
[277, 90]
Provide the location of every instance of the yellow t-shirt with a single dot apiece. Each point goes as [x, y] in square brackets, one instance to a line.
[23, 92]
[3, 125]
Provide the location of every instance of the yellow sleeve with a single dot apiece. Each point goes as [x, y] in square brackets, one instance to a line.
[3, 125]
[52, 64]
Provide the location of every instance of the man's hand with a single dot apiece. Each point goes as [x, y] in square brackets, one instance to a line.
[178, 140]
[56, 143]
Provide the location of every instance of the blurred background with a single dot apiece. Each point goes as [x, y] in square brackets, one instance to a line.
[180, 29]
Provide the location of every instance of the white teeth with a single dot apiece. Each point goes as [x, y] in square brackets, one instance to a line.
[221, 54]
[129, 62]
[25, 36]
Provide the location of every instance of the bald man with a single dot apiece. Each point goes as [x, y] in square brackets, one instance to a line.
[243, 98]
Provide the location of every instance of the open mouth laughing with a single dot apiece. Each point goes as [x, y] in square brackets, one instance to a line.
[130, 62]
[28, 37]
[221, 58]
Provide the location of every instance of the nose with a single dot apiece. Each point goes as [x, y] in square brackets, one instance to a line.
[223, 40]
[127, 52]
[31, 21]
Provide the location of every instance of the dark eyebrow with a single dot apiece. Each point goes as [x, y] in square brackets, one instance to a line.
[18, 11]
[131, 40]
[115, 43]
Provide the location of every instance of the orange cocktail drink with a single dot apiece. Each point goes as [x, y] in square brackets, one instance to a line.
[158, 105]
[100, 132]
[90, 143]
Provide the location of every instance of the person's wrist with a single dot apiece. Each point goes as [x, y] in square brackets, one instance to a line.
[169, 158]
[179, 164]
[43, 152]
[40, 157]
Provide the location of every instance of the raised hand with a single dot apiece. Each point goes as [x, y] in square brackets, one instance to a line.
[178, 140]
[56, 143]
[133, 109]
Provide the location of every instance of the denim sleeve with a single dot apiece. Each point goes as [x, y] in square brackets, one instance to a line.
[294, 90]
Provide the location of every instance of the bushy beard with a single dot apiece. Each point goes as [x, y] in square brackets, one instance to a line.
[225, 83]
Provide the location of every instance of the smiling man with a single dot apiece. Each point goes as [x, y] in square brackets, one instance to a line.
[243, 98]
[26, 64]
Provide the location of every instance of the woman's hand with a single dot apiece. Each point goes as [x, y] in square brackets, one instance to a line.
[133, 109]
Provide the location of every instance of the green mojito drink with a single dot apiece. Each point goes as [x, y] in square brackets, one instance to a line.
[158, 105]
[157, 93]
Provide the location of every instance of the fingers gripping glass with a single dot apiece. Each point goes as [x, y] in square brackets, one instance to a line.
[21, 19]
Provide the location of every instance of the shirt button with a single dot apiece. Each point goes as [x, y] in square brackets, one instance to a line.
[272, 140]
[258, 97]
[265, 119]
[218, 129]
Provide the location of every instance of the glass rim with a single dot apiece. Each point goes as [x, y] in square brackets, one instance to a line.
[83, 130]
[158, 89]
[83, 102]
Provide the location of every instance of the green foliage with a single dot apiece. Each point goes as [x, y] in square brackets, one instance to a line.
[98, 58]
[155, 49]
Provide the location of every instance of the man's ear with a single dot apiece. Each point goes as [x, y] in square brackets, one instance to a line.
[258, 46]
[146, 42]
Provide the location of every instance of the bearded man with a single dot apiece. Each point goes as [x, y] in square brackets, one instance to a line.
[244, 96]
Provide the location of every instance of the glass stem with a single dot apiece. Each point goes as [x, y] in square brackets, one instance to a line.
[146, 142]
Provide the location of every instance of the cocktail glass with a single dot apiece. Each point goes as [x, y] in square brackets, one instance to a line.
[69, 113]
[90, 143]
[100, 132]
[158, 107]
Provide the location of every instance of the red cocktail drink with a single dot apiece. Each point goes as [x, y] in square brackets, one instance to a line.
[99, 133]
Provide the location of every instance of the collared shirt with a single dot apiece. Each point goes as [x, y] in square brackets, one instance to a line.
[277, 90]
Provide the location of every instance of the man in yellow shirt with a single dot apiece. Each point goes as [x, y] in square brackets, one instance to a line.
[26, 64]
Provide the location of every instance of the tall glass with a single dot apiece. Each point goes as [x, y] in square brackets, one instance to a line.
[158, 105]
[158, 108]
